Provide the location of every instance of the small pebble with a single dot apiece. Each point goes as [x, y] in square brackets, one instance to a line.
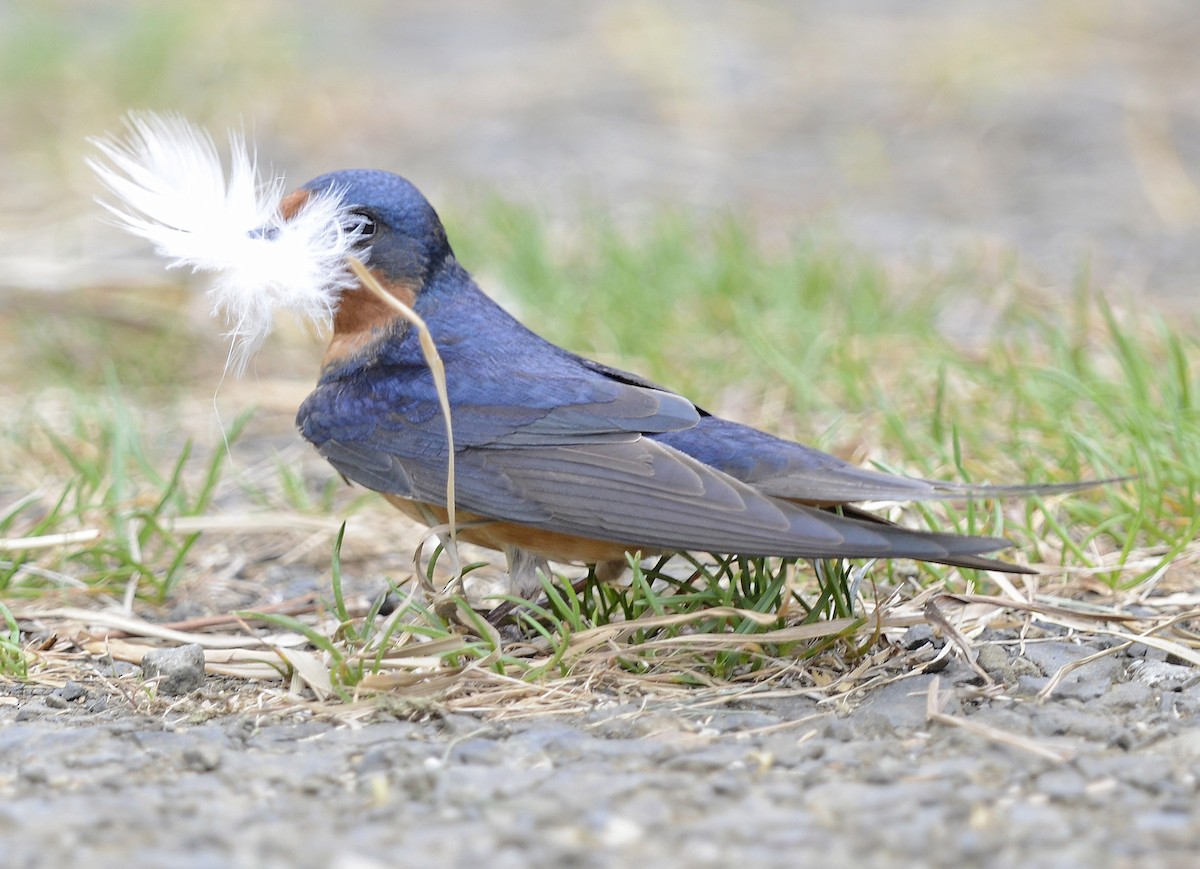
[1066, 785]
[177, 671]
[917, 636]
[1125, 696]
[994, 661]
[72, 691]
[202, 758]
[1022, 666]
[29, 712]
[1162, 674]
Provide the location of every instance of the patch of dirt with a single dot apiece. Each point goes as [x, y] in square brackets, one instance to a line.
[996, 777]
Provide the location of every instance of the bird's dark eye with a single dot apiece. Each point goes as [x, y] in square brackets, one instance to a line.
[361, 224]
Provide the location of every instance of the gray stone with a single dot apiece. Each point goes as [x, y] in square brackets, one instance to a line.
[202, 758]
[1163, 675]
[1184, 748]
[885, 770]
[1150, 772]
[1022, 666]
[1084, 684]
[1185, 702]
[1125, 695]
[1062, 784]
[995, 662]
[176, 671]
[1086, 681]
[1028, 686]
[900, 706]
[1061, 720]
[1051, 656]
[1006, 718]
[31, 710]
[72, 691]
[917, 636]
[1147, 652]
[957, 672]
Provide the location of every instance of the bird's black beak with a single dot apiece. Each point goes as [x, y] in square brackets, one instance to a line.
[288, 207]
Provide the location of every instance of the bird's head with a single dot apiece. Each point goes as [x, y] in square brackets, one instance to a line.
[398, 236]
[266, 251]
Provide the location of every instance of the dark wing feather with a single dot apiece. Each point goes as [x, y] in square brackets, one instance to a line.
[785, 469]
[640, 494]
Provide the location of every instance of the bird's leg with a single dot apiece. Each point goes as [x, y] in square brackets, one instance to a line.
[523, 579]
[523, 568]
[610, 571]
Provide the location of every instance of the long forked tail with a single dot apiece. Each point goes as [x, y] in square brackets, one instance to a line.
[976, 562]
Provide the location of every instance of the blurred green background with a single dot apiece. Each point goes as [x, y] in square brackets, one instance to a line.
[1064, 129]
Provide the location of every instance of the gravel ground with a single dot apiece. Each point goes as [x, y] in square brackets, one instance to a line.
[1056, 130]
[1105, 773]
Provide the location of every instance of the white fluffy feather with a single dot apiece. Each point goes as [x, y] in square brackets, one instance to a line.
[172, 190]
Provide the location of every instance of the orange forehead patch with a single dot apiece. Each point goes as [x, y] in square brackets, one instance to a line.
[291, 204]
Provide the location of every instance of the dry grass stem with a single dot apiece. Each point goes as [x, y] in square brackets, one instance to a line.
[434, 361]
[48, 541]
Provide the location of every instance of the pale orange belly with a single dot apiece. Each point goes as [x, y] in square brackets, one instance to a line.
[497, 534]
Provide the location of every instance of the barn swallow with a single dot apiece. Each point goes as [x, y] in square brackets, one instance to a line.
[559, 457]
